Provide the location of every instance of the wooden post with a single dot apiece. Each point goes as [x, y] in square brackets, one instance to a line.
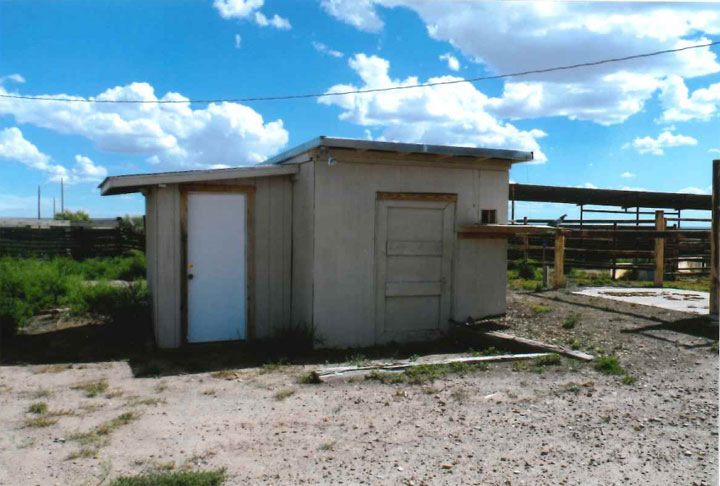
[659, 249]
[714, 242]
[559, 271]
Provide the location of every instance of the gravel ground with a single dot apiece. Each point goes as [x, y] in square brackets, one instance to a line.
[500, 426]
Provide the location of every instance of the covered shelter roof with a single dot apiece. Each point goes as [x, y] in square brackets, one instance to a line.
[609, 197]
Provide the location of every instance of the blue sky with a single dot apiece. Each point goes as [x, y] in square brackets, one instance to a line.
[650, 124]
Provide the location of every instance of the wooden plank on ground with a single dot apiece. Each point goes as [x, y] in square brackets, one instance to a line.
[327, 374]
[505, 339]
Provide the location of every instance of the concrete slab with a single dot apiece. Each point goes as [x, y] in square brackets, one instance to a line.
[691, 301]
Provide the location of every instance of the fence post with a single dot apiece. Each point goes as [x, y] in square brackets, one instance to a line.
[559, 270]
[659, 249]
[714, 248]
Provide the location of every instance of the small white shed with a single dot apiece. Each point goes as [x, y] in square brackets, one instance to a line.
[359, 239]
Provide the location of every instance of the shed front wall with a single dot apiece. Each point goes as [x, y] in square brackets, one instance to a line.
[271, 262]
[344, 243]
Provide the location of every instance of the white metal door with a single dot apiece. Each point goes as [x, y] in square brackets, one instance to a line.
[216, 266]
[414, 246]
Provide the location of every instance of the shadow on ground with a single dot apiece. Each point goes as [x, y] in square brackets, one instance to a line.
[96, 342]
[697, 326]
[694, 326]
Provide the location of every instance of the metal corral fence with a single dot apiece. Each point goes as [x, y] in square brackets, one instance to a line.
[621, 246]
[75, 242]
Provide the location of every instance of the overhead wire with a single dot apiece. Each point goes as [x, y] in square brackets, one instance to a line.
[360, 91]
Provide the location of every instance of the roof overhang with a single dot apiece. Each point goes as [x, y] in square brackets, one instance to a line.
[135, 183]
[286, 162]
[442, 151]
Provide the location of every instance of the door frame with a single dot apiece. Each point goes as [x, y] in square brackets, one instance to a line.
[380, 274]
[249, 192]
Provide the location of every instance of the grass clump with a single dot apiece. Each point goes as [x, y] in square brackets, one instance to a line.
[41, 421]
[38, 408]
[628, 380]
[91, 388]
[283, 394]
[311, 378]
[541, 309]
[183, 478]
[539, 364]
[609, 365]
[123, 419]
[574, 343]
[327, 446]
[571, 322]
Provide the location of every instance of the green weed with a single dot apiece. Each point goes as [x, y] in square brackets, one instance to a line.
[184, 478]
[609, 365]
[571, 321]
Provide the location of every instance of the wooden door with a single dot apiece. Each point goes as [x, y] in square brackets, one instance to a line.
[414, 253]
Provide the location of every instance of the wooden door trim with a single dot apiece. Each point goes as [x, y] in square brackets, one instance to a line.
[249, 192]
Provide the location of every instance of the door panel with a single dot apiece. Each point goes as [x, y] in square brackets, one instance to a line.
[216, 260]
[413, 258]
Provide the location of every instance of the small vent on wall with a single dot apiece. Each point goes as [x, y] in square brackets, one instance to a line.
[488, 216]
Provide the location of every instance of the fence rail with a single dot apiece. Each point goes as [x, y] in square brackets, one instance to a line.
[620, 246]
[69, 241]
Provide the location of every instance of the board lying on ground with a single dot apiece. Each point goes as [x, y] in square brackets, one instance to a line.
[327, 374]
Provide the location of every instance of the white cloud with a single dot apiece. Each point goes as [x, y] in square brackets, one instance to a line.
[656, 146]
[276, 21]
[172, 135]
[546, 34]
[692, 190]
[453, 115]
[15, 147]
[320, 47]
[358, 13]
[15, 78]
[237, 9]
[452, 61]
[588, 185]
[681, 106]
[714, 150]
[627, 175]
[249, 9]
[238, 41]
[85, 170]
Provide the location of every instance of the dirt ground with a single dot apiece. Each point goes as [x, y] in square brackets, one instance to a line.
[502, 426]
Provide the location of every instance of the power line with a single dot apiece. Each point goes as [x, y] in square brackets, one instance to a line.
[363, 91]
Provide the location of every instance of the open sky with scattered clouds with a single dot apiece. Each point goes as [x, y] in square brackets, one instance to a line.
[651, 123]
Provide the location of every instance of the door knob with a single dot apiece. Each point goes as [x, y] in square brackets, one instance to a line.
[190, 276]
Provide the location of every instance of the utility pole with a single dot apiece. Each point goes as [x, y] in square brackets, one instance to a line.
[62, 195]
[38, 202]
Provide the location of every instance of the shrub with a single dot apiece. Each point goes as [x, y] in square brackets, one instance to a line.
[126, 304]
[69, 215]
[609, 365]
[527, 270]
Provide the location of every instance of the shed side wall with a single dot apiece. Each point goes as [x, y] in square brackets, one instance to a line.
[344, 283]
[167, 280]
[303, 236]
[272, 228]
